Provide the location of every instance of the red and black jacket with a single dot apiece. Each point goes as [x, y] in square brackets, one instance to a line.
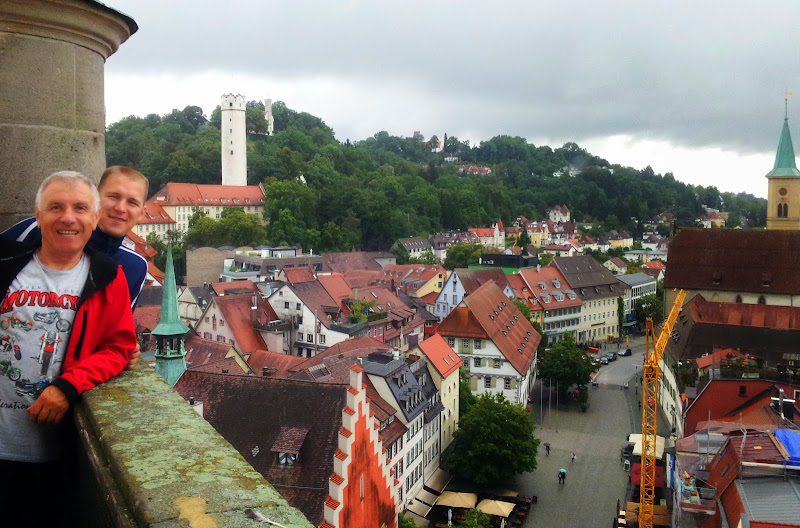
[103, 335]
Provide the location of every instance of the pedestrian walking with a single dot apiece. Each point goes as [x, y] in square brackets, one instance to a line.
[574, 456]
[562, 476]
[547, 448]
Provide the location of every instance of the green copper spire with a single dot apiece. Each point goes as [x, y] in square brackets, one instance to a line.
[784, 159]
[169, 323]
[170, 330]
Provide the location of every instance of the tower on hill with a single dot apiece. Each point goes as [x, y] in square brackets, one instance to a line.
[234, 140]
[783, 197]
[268, 116]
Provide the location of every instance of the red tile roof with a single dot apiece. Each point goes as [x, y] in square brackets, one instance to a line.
[235, 406]
[743, 260]
[221, 288]
[278, 364]
[535, 277]
[618, 262]
[141, 246]
[490, 314]
[236, 309]
[156, 273]
[154, 214]
[337, 287]
[718, 354]
[146, 317]
[195, 194]
[440, 355]
[352, 260]
[474, 278]
[483, 232]
[740, 314]
[201, 351]
[654, 264]
[301, 274]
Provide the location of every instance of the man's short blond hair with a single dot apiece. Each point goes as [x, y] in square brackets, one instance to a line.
[71, 177]
[131, 174]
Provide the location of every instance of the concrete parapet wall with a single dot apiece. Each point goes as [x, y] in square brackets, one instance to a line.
[159, 462]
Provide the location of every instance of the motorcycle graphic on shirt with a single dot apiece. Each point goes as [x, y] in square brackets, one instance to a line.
[50, 341]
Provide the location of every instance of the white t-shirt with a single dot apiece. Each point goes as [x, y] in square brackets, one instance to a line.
[36, 318]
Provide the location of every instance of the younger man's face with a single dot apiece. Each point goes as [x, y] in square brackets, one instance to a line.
[121, 203]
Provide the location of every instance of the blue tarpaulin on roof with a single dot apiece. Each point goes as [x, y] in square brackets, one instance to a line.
[791, 441]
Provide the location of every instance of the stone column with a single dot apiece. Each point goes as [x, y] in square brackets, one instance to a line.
[52, 111]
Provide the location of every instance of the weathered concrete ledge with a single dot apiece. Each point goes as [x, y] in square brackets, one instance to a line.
[159, 464]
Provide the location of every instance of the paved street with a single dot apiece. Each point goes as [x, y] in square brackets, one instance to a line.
[596, 480]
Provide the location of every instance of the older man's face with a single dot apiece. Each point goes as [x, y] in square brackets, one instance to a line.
[67, 216]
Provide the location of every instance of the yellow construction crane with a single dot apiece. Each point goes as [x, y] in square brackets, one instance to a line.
[650, 408]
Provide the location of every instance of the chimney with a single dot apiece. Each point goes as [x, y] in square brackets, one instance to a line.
[191, 400]
[265, 371]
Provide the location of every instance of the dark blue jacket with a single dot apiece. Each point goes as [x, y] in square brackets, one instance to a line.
[133, 264]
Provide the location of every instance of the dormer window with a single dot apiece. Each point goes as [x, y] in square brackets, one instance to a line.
[287, 459]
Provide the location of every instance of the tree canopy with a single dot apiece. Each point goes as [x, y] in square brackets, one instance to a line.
[367, 194]
[494, 441]
[566, 365]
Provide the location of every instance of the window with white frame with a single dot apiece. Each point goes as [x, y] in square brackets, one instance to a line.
[507, 383]
[477, 344]
[498, 363]
[476, 362]
[487, 382]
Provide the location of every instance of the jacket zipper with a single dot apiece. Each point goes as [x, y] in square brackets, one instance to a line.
[83, 333]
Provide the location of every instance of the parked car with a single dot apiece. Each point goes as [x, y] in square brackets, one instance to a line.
[604, 360]
[625, 352]
[612, 356]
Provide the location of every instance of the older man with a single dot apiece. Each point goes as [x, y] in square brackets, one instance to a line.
[123, 192]
[65, 327]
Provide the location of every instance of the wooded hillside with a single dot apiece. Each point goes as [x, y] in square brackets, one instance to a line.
[368, 193]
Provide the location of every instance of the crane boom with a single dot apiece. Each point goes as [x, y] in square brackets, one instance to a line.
[650, 408]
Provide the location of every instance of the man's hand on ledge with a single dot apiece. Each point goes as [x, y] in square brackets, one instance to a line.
[134, 358]
[50, 407]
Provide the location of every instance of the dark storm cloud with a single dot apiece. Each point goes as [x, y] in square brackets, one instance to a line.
[693, 73]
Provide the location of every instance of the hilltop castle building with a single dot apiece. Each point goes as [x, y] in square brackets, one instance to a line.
[783, 196]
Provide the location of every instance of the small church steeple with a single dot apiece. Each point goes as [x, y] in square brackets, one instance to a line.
[170, 330]
[783, 195]
[784, 159]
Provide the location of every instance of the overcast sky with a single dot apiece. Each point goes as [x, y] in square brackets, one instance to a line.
[693, 88]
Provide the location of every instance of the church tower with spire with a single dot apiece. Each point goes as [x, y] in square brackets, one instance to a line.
[783, 197]
[170, 330]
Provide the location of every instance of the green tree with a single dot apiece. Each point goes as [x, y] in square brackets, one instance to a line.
[650, 306]
[403, 522]
[542, 348]
[524, 241]
[402, 255]
[494, 442]
[545, 258]
[426, 258]
[475, 518]
[176, 240]
[523, 307]
[567, 365]
[462, 255]
[465, 397]
[620, 313]
[197, 213]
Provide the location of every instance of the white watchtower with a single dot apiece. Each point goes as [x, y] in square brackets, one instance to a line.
[268, 116]
[234, 140]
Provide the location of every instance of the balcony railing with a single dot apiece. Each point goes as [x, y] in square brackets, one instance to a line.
[147, 459]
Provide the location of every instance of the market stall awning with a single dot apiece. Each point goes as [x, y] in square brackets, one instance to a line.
[438, 481]
[419, 508]
[457, 499]
[636, 440]
[495, 507]
[427, 498]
